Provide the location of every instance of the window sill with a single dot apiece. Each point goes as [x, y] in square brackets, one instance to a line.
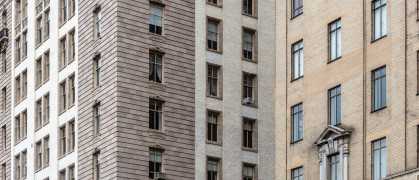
[64, 66]
[215, 97]
[36, 171]
[375, 40]
[249, 149]
[295, 142]
[215, 51]
[249, 60]
[297, 79]
[216, 5]
[296, 16]
[155, 131]
[250, 15]
[159, 36]
[330, 61]
[39, 45]
[62, 112]
[45, 81]
[214, 142]
[157, 84]
[250, 105]
[378, 109]
[45, 166]
[62, 156]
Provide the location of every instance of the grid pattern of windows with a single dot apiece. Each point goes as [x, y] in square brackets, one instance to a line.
[155, 162]
[334, 106]
[248, 39]
[297, 60]
[380, 18]
[248, 7]
[379, 159]
[297, 122]
[156, 67]
[212, 35]
[248, 84]
[379, 88]
[297, 7]
[212, 131]
[248, 127]
[335, 40]
[155, 115]
[156, 19]
[212, 169]
[297, 174]
[212, 87]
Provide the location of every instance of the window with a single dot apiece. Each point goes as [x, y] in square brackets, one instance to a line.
[17, 128]
[248, 84]
[379, 88]
[46, 109]
[96, 78]
[62, 174]
[19, 48]
[4, 99]
[248, 172]
[63, 11]
[38, 155]
[73, 46]
[212, 169]
[156, 19]
[38, 114]
[297, 174]
[297, 122]
[18, 89]
[19, 12]
[417, 72]
[25, 84]
[72, 136]
[334, 167]
[156, 67]
[38, 72]
[212, 1]
[3, 171]
[212, 126]
[98, 24]
[379, 159]
[25, 124]
[155, 162]
[25, 44]
[72, 91]
[73, 7]
[380, 18]
[155, 115]
[17, 168]
[46, 151]
[97, 111]
[62, 141]
[335, 39]
[24, 165]
[212, 87]
[248, 127]
[96, 165]
[63, 53]
[47, 24]
[334, 106]
[212, 35]
[297, 8]
[46, 67]
[248, 39]
[4, 58]
[39, 33]
[248, 7]
[4, 137]
[71, 172]
[297, 60]
[63, 92]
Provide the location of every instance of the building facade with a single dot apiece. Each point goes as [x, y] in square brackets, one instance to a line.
[346, 99]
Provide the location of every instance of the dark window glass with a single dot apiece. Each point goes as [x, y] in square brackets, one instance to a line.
[156, 19]
[379, 88]
[212, 127]
[248, 7]
[155, 163]
[156, 67]
[248, 45]
[248, 134]
[297, 122]
[248, 89]
[212, 35]
[212, 87]
[212, 170]
[335, 106]
[155, 115]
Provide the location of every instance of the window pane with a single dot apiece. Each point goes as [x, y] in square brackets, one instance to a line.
[332, 172]
[376, 94]
[295, 128]
[377, 20]
[339, 45]
[383, 163]
[301, 62]
[296, 65]
[376, 165]
[300, 124]
[383, 92]
[332, 111]
[383, 20]
[333, 45]
[338, 112]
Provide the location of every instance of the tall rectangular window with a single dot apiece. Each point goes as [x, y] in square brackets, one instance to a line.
[38, 72]
[212, 87]
[18, 89]
[248, 131]
[297, 60]
[98, 24]
[212, 169]
[46, 67]
[17, 168]
[63, 96]
[212, 131]
[4, 58]
[39, 30]
[4, 99]
[334, 106]
[38, 152]
[155, 163]
[46, 151]
[379, 88]
[248, 84]
[72, 136]
[25, 84]
[25, 124]
[379, 159]
[71, 171]
[297, 7]
[47, 24]
[46, 109]
[63, 147]
[97, 113]
[19, 12]
[156, 19]
[297, 122]
[24, 165]
[25, 44]
[18, 51]
[96, 166]
[335, 40]
[212, 35]
[72, 91]
[4, 137]
[248, 7]
[62, 174]
[155, 115]
[73, 7]
[17, 128]
[3, 171]
[379, 9]
[248, 172]
[97, 65]
[63, 53]
[155, 67]
[63, 11]
[248, 39]
[334, 167]
[297, 174]
[73, 46]
[38, 114]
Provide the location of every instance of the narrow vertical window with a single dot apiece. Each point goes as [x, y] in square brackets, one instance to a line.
[155, 163]
[380, 18]
[17, 128]
[297, 60]
[212, 1]
[19, 12]
[379, 159]
[248, 126]
[39, 32]
[97, 113]
[248, 7]
[72, 136]
[63, 11]
[96, 166]
[73, 46]
[248, 39]
[18, 51]
[18, 89]
[4, 137]
[156, 19]
[46, 109]
[25, 45]
[97, 65]
[334, 106]
[297, 122]
[212, 35]
[248, 172]
[155, 115]
[63, 53]
[4, 99]
[297, 7]
[46, 153]
[297, 174]
[73, 7]
[4, 58]
[379, 88]
[25, 124]
[71, 173]
[46, 67]
[39, 114]
[47, 24]
[38, 152]
[417, 72]
[156, 67]
[248, 84]
[38, 72]
[334, 167]
[17, 168]
[212, 169]
[72, 98]
[62, 174]
[212, 86]
[335, 39]
[3, 171]
[212, 126]
[63, 96]
[24, 165]
[98, 24]
[25, 84]
[63, 147]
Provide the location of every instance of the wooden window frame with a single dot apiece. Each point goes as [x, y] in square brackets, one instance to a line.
[245, 6]
[72, 136]
[300, 111]
[18, 51]
[47, 24]
[252, 131]
[336, 163]
[252, 167]
[218, 34]
[62, 174]
[18, 89]
[216, 162]
[211, 125]
[18, 169]
[211, 78]
[46, 66]
[300, 61]
[63, 96]
[24, 121]
[71, 172]
[46, 151]
[298, 172]
[97, 19]
[63, 52]
[25, 45]
[24, 84]
[63, 11]
[72, 51]
[18, 127]
[154, 161]
[46, 109]
[24, 164]
[253, 44]
[372, 155]
[39, 73]
[155, 15]
[72, 90]
[39, 30]
[39, 156]
[39, 114]
[380, 106]
[296, 9]
[246, 86]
